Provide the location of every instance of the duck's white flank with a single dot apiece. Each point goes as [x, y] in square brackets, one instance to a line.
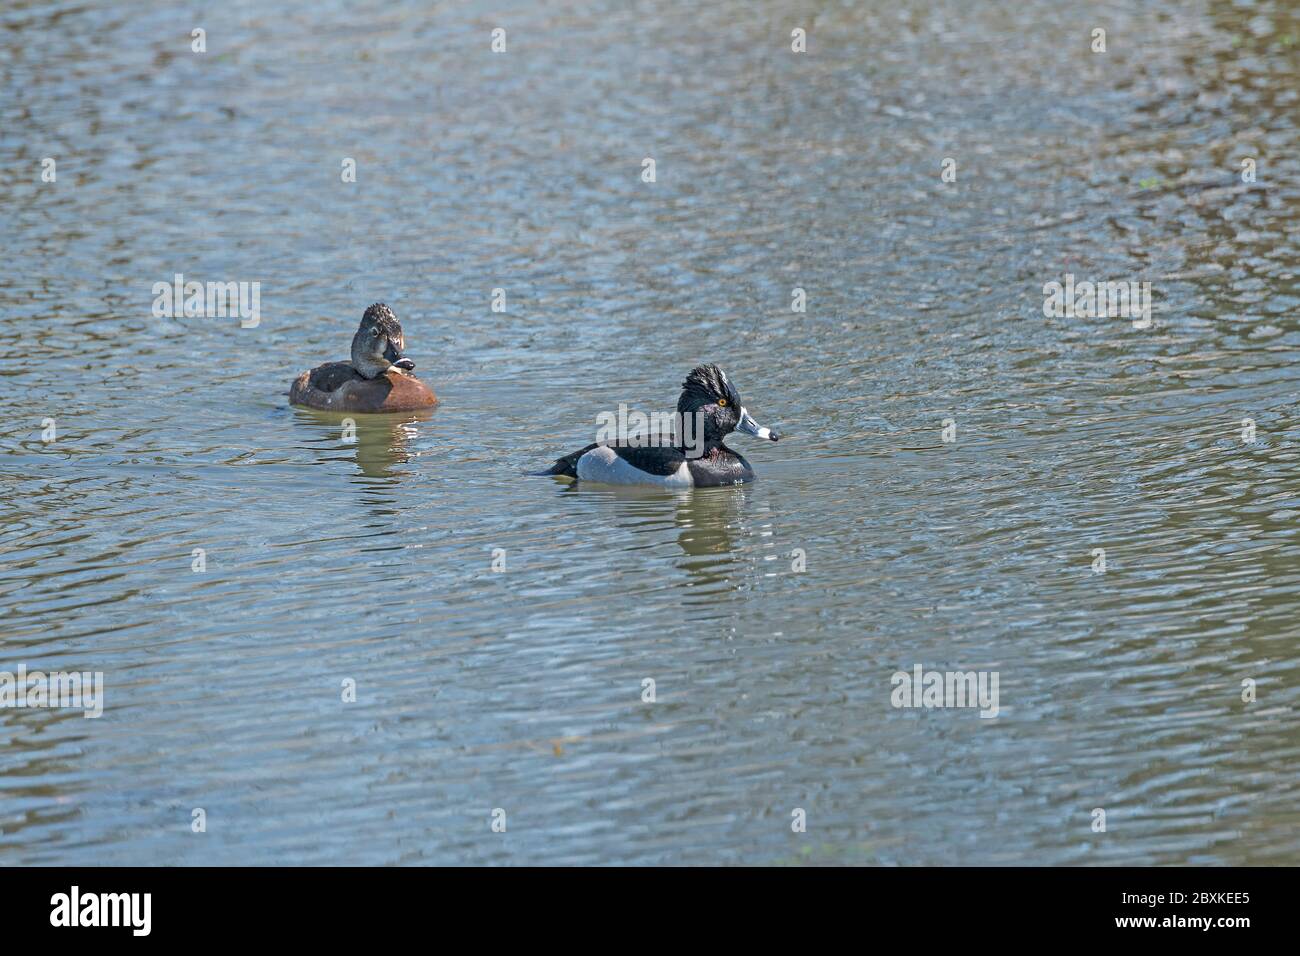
[603, 464]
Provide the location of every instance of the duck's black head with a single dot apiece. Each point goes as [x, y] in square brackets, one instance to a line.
[378, 344]
[708, 391]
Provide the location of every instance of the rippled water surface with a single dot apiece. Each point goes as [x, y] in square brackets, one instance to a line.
[371, 561]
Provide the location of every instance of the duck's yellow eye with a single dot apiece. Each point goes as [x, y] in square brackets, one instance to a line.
[722, 402]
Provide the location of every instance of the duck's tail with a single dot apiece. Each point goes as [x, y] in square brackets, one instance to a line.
[566, 467]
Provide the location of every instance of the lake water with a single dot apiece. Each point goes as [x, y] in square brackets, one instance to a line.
[329, 561]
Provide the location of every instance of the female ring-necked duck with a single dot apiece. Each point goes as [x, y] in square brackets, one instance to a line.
[376, 379]
[706, 391]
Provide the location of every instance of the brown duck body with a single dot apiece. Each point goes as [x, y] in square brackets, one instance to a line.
[338, 387]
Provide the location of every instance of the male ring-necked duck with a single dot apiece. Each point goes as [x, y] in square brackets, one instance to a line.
[706, 391]
[376, 379]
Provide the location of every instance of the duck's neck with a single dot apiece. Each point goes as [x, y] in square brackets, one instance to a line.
[367, 368]
[712, 448]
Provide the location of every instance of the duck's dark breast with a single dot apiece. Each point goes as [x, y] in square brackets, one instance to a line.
[722, 466]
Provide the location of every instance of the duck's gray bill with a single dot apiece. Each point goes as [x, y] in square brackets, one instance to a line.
[748, 425]
[404, 363]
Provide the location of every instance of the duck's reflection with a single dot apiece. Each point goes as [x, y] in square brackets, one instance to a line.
[709, 521]
[710, 525]
[377, 443]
